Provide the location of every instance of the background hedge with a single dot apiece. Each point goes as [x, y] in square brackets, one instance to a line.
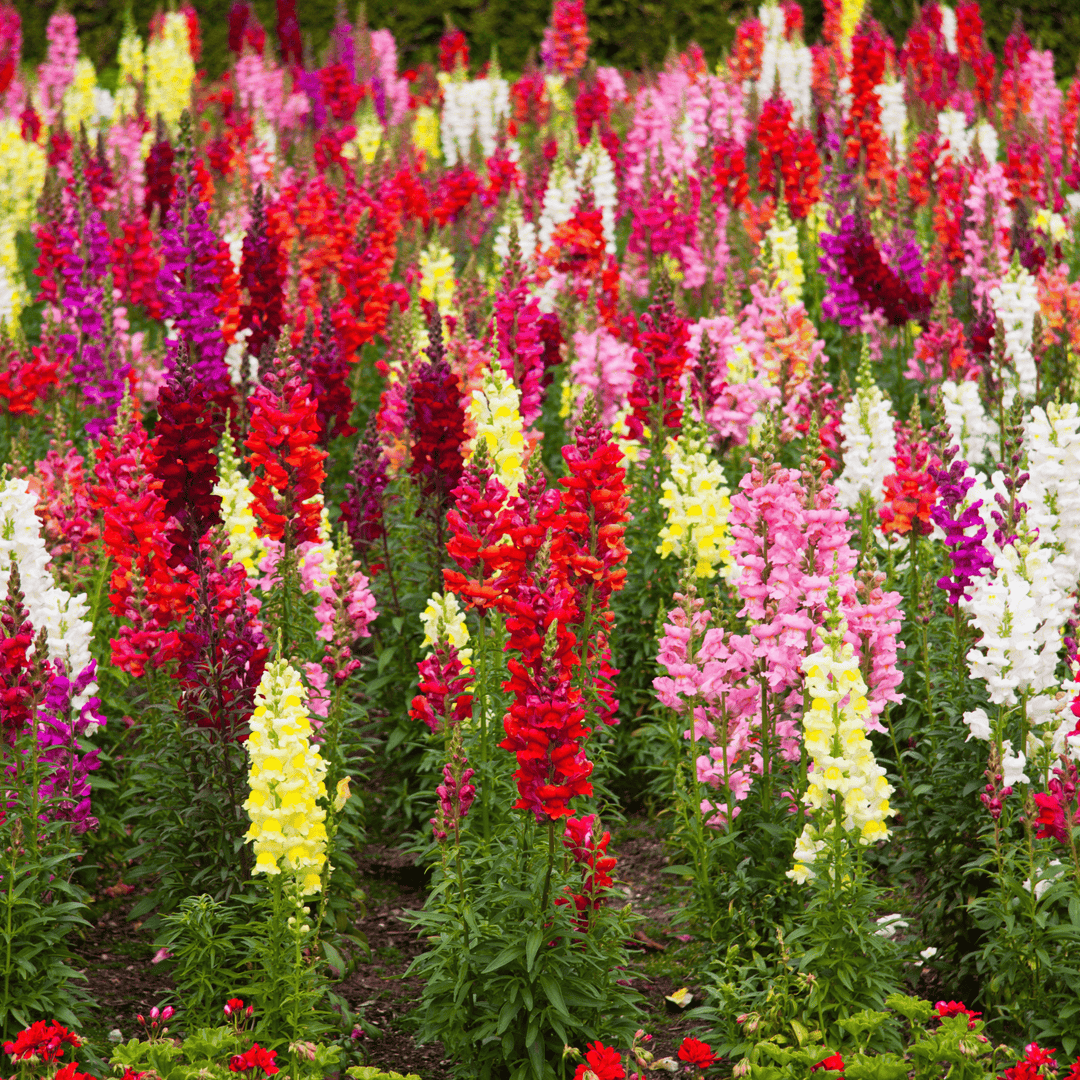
[628, 33]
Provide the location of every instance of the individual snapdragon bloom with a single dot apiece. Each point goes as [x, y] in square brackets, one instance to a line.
[847, 787]
[170, 70]
[697, 503]
[437, 277]
[286, 780]
[495, 410]
[444, 622]
[869, 441]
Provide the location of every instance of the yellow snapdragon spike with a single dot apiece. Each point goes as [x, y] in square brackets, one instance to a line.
[494, 409]
[245, 545]
[437, 284]
[22, 174]
[426, 132]
[131, 60]
[697, 504]
[844, 773]
[79, 101]
[286, 780]
[170, 70]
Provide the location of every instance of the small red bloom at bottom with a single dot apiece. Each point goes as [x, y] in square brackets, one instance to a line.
[70, 1072]
[835, 1062]
[256, 1058]
[43, 1040]
[604, 1063]
[956, 1008]
[695, 1052]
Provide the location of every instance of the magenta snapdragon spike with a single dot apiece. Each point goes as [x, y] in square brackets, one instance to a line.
[522, 351]
[967, 550]
[189, 284]
[65, 787]
[86, 339]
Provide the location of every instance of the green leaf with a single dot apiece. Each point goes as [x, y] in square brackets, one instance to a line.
[532, 945]
[554, 994]
[510, 953]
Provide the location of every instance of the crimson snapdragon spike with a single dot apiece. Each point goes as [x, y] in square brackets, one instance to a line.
[285, 458]
[659, 359]
[590, 853]
[23, 667]
[260, 275]
[437, 423]
[362, 509]
[226, 650]
[160, 179]
[183, 461]
[329, 372]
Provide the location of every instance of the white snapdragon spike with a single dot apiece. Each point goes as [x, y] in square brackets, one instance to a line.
[560, 197]
[948, 27]
[893, 115]
[869, 441]
[969, 425]
[784, 66]
[595, 166]
[50, 607]
[1016, 303]
[471, 107]
[987, 138]
[526, 231]
[952, 126]
[242, 366]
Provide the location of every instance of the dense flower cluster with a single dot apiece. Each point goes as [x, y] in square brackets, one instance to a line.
[286, 778]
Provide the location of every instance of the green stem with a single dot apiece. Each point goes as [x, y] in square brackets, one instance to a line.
[550, 867]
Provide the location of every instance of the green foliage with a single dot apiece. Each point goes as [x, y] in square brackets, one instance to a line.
[925, 1047]
[370, 1072]
[205, 1054]
[507, 983]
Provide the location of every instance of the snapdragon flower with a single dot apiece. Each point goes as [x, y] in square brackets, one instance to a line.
[437, 277]
[471, 107]
[785, 265]
[444, 623]
[241, 526]
[848, 788]
[1016, 302]
[495, 410]
[969, 426]
[697, 503]
[869, 441]
[170, 70]
[286, 779]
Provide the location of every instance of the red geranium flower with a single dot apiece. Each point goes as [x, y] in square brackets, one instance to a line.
[604, 1063]
[695, 1052]
[256, 1058]
[834, 1062]
[956, 1008]
[45, 1040]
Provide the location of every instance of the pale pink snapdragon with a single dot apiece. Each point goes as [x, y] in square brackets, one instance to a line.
[395, 90]
[604, 365]
[56, 74]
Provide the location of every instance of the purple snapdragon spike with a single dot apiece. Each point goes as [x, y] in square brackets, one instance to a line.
[968, 553]
[189, 284]
[86, 338]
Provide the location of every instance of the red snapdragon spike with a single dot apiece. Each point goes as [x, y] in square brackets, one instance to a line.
[362, 509]
[260, 276]
[284, 455]
[565, 47]
[910, 492]
[329, 373]
[659, 358]
[182, 459]
[455, 190]
[160, 177]
[22, 683]
[437, 424]
[453, 50]
[136, 264]
[29, 376]
[443, 701]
